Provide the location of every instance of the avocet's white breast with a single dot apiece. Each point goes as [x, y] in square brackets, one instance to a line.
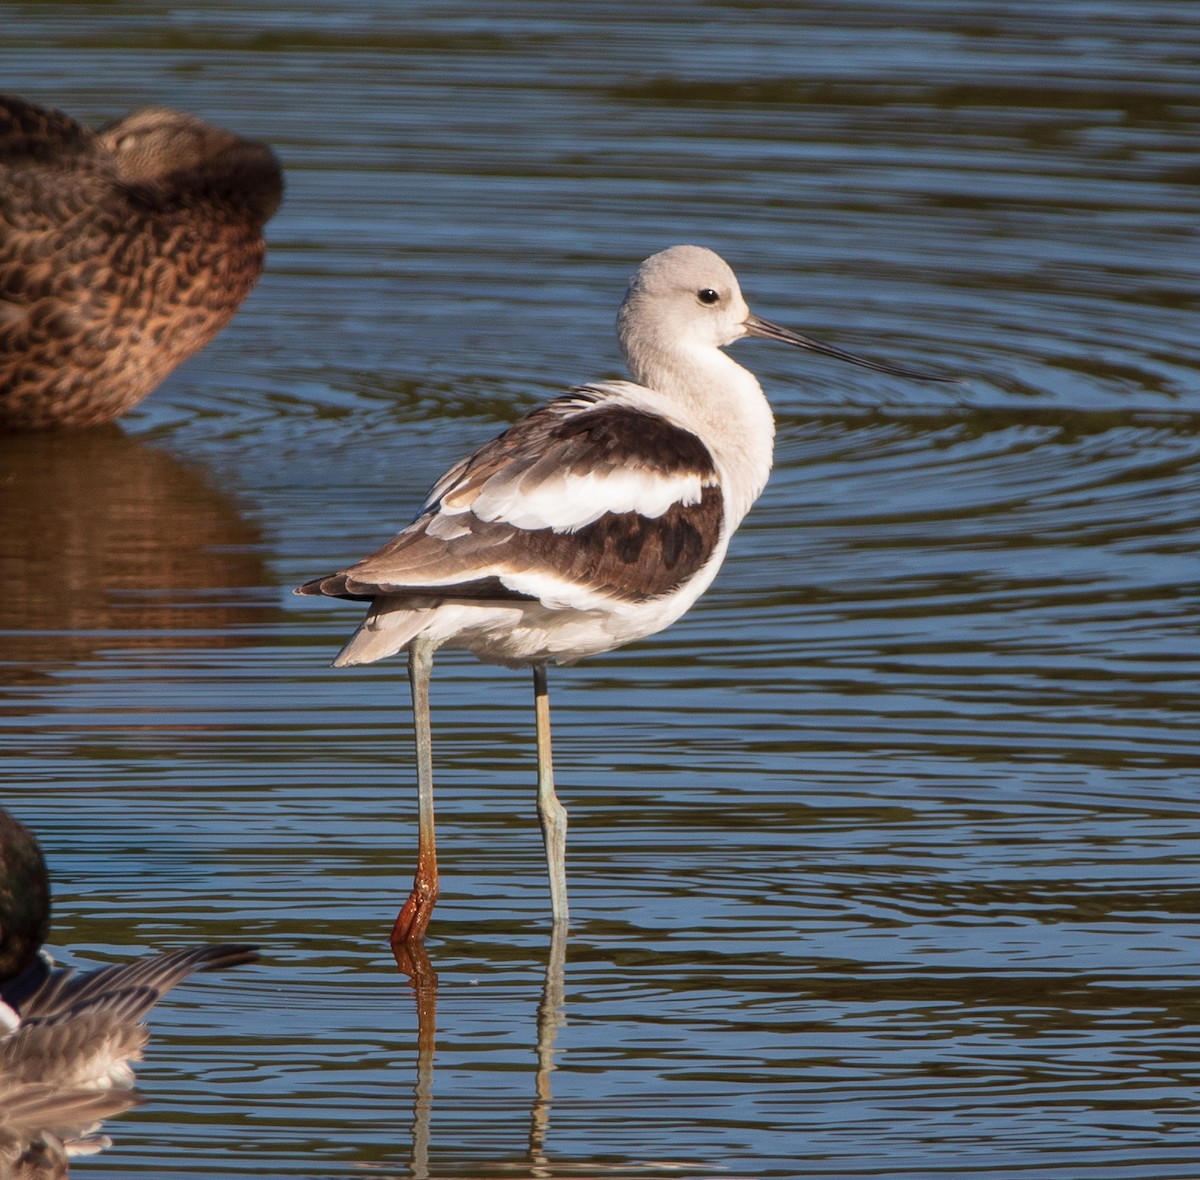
[683, 306]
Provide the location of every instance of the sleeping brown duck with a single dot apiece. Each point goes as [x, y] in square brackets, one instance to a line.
[123, 251]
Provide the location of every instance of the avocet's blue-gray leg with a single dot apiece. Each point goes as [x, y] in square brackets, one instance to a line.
[414, 916]
[551, 812]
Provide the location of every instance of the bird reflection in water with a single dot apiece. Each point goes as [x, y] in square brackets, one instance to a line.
[413, 961]
[105, 533]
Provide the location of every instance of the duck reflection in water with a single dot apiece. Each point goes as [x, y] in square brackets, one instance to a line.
[145, 547]
[123, 251]
[67, 1040]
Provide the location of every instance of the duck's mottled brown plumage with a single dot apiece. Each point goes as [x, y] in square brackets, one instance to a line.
[122, 252]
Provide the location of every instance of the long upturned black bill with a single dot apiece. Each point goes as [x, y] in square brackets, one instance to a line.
[755, 326]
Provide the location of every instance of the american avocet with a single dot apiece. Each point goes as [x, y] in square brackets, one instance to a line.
[122, 252]
[595, 520]
[66, 1040]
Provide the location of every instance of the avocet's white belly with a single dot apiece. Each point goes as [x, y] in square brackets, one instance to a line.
[520, 633]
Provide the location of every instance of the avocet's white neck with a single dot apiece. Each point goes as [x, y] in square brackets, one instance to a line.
[718, 399]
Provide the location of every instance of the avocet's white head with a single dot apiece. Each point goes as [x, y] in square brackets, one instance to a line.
[684, 303]
[682, 308]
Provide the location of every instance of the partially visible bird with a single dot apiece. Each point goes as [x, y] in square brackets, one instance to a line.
[594, 521]
[123, 251]
[67, 1039]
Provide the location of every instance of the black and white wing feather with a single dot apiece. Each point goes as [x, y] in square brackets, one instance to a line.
[586, 496]
[66, 1064]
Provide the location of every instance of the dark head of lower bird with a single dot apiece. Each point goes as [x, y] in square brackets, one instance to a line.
[24, 898]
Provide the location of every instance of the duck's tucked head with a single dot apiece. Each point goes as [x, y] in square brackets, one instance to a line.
[24, 897]
[151, 144]
[177, 151]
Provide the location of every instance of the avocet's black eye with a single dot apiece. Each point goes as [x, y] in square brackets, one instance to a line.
[708, 295]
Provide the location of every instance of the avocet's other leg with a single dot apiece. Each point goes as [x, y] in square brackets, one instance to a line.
[551, 813]
[413, 918]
